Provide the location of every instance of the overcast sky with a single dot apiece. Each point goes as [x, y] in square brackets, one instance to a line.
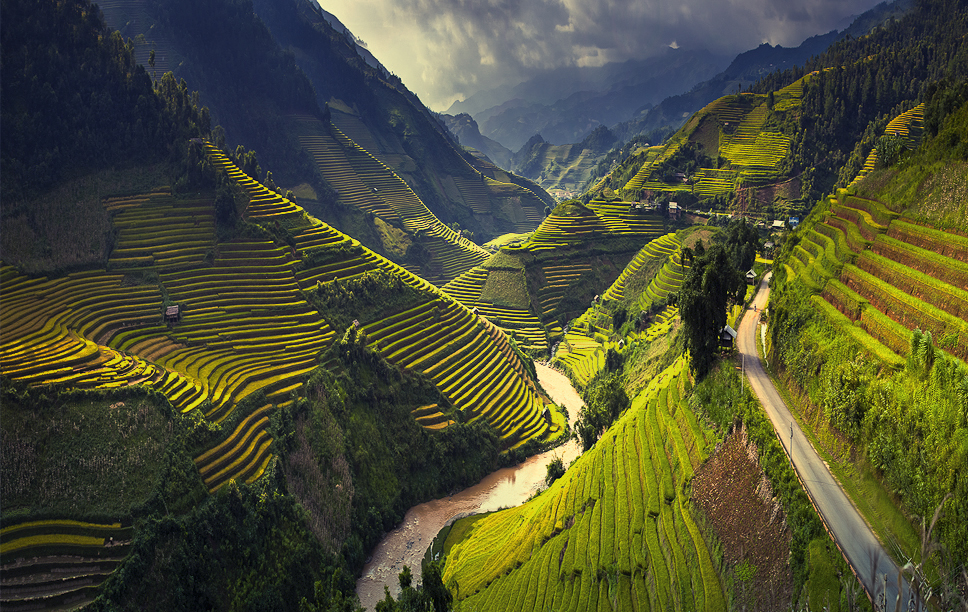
[448, 49]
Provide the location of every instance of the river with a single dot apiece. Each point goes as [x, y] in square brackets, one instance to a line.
[504, 488]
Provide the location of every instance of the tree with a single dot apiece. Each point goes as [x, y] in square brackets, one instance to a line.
[556, 469]
[605, 400]
[434, 590]
[702, 302]
[742, 243]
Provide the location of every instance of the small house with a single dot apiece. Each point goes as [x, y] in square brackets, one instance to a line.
[794, 222]
[768, 248]
[750, 277]
[777, 224]
[172, 314]
[674, 210]
[727, 338]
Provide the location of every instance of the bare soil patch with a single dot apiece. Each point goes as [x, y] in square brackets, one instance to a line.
[735, 496]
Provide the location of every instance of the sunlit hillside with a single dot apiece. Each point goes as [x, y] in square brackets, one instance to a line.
[737, 142]
[531, 289]
[614, 533]
[872, 292]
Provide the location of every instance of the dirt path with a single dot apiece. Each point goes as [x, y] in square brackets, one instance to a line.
[851, 533]
[504, 488]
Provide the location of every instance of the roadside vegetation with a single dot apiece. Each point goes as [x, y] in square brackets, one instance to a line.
[887, 399]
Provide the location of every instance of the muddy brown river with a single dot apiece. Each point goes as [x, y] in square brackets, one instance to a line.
[504, 488]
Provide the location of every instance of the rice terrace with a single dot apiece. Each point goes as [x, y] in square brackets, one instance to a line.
[276, 335]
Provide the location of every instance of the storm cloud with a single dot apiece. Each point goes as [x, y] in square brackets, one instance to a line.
[448, 49]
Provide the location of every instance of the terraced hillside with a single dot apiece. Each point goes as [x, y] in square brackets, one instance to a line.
[246, 322]
[877, 276]
[133, 19]
[614, 533]
[501, 297]
[364, 181]
[875, 282]
[356, 164]
[733, 129]
[564, 168]
[588, 339]
[529, 289]
[909, 126]
[571, 223]
[50, 564]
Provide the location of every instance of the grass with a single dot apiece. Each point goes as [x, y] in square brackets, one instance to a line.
[87, 457]
[587, 528]
[506, 289]
[506, 240]
[856, 476]
[823, 577]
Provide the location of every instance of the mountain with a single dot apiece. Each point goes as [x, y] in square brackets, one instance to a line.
[652, 119]
[775, 150]
[748, 68]
[564, 169]
[195, 371]
[467, 132]
[305, 99]
[565, 104]
[210, 398]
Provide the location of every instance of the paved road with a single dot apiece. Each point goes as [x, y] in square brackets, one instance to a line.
[851, 532]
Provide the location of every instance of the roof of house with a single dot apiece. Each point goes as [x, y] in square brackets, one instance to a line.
[729, 330]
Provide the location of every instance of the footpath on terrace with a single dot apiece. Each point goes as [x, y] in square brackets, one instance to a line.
[870, 562]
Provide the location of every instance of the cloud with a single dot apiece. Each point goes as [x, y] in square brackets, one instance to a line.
[448, 49]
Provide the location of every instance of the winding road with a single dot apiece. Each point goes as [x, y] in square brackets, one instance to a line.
[864, 552]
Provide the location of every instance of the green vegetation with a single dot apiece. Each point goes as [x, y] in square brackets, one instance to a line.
[894, 390]
[592, 538]
[715, 278]
[248, 447]
[723, 399]
[593, 339]
[891, 416]
[82, 454]
[728, 147]
[233, 364]
[353, 434]
[930, 190]
[59, 115]
[883, 73]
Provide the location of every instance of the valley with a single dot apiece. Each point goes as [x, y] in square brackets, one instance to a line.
[270, 338]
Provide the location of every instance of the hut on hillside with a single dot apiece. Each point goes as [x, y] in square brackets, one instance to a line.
[172, 314]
